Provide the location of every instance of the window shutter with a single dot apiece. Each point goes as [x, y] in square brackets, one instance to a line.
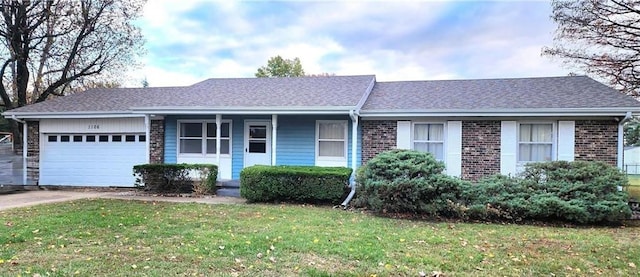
[566, 140]
[508, 148]
[403, 138]
[454, 148]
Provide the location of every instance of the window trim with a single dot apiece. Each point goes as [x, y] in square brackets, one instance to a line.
[554, 140]
[203, 138]
[444, 136]
[331, 159]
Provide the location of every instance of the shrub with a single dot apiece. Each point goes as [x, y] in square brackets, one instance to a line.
[400, 164]
[580, 192]
[301, 184]
[409, 182]
[174, 178]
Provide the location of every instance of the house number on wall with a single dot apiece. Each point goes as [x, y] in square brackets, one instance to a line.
[94, 126]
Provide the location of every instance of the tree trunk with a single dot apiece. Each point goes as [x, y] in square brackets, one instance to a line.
[16, 129]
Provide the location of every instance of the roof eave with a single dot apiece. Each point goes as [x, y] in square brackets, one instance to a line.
[82, 114]
[243, 110]
[617, 111]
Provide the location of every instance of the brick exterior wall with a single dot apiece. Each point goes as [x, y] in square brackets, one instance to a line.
[156, 142]
[480, 148]
[377, 136]
[596, 140]
[33, 151]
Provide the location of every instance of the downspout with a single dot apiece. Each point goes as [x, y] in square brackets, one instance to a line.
[24, 148]
[354, 155]
[626, 118]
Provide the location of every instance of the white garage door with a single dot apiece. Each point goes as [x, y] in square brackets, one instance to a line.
[91, 159]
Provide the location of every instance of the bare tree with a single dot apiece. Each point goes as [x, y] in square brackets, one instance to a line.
[601, 37]
[53, 47]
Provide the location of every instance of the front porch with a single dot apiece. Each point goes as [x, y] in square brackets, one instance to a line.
[234, 142]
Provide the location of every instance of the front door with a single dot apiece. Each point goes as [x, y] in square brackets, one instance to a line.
[257, 142]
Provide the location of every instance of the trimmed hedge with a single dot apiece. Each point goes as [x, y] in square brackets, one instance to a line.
[407, 181]
[300, 184]
[174, 178]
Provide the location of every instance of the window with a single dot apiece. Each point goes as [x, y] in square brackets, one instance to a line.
[103, 138]
[77, 138]
[225, 138]
[64, 138]
[142, 138]
[200, 138]
[52, 138]
[130, 138]
[535, 142]
[429, 137]
[332, 139]
[116, 138]
[91, 138]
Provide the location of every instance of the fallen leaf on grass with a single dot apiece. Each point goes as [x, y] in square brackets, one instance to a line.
[632, 265]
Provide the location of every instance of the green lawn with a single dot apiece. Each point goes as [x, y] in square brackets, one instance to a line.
[128, 238]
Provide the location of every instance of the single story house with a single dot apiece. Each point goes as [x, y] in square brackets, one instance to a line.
[476, 127]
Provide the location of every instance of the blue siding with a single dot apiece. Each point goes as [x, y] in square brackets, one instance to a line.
[170, 137]
[359, 148]
[296, 140]
[295, 143]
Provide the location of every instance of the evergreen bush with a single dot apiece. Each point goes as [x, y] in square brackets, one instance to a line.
[407, 181]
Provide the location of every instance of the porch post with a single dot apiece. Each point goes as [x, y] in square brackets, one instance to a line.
[218, 130]
[274, 136]
[147, 134]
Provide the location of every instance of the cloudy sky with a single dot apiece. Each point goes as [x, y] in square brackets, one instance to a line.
[189, 41]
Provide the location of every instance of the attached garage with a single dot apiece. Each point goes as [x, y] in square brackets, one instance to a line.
[91, 152]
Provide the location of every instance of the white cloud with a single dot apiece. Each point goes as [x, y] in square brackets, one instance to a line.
[194, 40]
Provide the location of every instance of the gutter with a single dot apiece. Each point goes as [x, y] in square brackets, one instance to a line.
[626, 118]
[24, 148]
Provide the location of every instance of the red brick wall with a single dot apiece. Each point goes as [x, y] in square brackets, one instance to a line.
[596, 140]
[480, 148]
[156, 142]
[377, 136]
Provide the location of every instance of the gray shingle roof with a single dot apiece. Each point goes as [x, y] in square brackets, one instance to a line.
[103, 100]
[346, 91]
[332, 91]
[495, 94]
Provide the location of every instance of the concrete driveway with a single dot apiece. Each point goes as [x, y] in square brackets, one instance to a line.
[37, 197]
